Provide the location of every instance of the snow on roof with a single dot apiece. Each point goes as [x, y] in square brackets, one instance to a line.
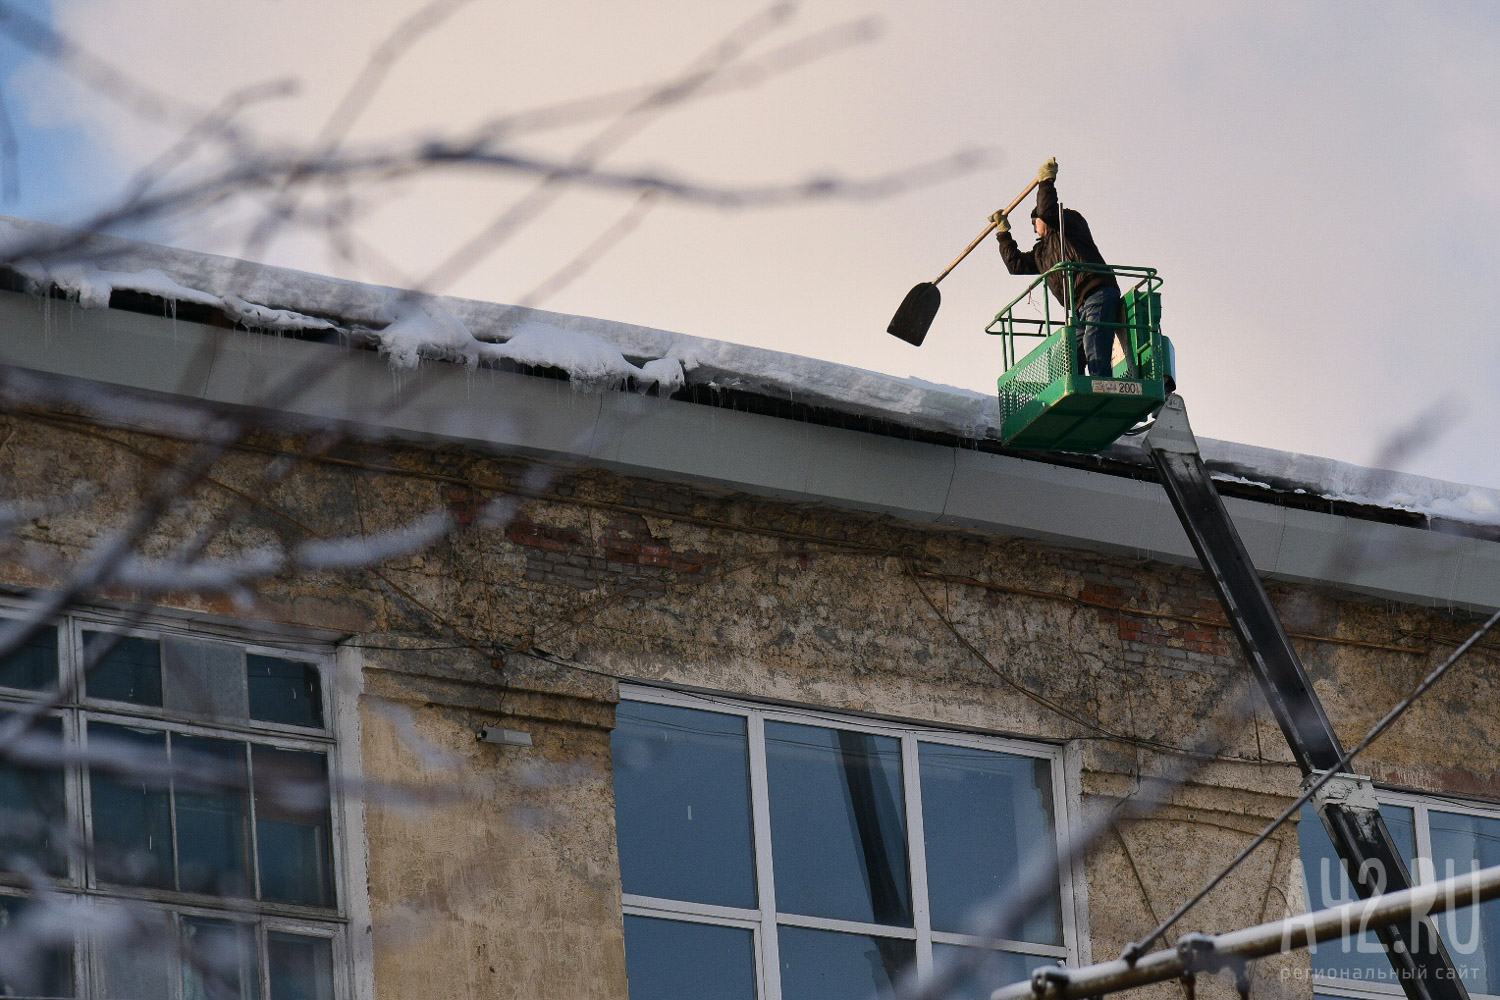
[601, 355]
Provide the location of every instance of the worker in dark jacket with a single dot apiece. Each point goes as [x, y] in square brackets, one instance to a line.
[1064, 235]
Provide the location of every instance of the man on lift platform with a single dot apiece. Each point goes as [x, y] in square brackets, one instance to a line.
[1063, 234]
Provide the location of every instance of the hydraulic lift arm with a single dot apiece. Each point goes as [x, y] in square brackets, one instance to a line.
[1347, 803]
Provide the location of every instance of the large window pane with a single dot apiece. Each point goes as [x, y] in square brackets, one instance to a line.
[37, 960]
[218, 960]
[33, 801]
[676, 960]
[167, 884]
[33, 666]
[301, 967]
[213, 815]
[292, 826]
[835, 810]
[1461, 844]
[824, 965]
[682, 804]
[130, 671]
[988, 970]
[285, 691]
[1357, 957]
[132, 817]
[136, 954]
[838, 828]
[985, 817]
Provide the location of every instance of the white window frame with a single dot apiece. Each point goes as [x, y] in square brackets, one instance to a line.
[1424, 872]
[338, 739]
[767, 958]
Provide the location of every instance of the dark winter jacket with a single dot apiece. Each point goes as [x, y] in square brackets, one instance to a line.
[1051, 249]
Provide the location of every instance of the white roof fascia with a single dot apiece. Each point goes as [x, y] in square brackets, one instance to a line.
[766, 455]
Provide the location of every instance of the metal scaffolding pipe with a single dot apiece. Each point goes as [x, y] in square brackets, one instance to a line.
[1213, 952]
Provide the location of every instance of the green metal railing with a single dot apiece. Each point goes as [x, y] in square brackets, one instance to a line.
[1056, 354]
[1008, 325]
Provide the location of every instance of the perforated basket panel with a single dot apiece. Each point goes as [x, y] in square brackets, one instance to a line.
[1047, 404]
[1052, 359]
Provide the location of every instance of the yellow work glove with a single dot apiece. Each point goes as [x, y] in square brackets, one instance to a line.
[1001, 223]
[1048, 170]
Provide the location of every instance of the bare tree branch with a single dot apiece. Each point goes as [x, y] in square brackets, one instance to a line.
[630, 123]
[591, 254]
[10, 154]
[266, 172]
[356, 99]
[748, 73]
[216, 124]
[104, 78]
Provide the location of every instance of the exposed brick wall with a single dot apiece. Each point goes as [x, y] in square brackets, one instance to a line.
[625, 555]
[1166, 615]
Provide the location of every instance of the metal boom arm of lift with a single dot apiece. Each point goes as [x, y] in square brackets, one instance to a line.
[1347, 802]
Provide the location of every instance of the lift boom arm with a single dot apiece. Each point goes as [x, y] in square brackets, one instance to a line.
[1347, 803]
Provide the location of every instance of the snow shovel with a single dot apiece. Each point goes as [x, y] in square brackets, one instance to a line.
[921, 303]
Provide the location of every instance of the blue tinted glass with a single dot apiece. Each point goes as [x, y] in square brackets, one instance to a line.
[292, 826]
[985, 816]
[987, 970]
[826, 965]
[682, 804]
[838, 826]
[131, 813]
[676, 960]
[1461, 844]
[45, 972]
[285, 691]
[34, 665]
[33, 803]
[301, 967]
[213, 815]
[218, 960]
[130, 671]
[1359, 957]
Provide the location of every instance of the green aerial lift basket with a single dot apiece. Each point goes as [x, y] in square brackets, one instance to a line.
[1047, 403]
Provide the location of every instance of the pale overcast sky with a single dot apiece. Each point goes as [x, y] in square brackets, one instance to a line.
[1316, 182]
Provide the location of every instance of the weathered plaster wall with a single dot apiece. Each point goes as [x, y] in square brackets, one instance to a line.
[493, 870]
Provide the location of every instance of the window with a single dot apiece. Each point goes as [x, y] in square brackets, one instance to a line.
[167, 818]
[1438, 839]
[772, 853]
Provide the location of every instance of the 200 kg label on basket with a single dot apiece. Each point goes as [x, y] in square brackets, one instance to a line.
[1117, 387]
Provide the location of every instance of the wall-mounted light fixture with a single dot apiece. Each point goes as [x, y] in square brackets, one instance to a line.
[505, 737]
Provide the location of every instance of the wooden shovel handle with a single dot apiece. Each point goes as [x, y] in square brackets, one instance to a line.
[987, 230]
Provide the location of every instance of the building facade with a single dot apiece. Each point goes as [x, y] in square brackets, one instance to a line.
[792, 688]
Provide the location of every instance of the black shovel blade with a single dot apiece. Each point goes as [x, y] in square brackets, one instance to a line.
[915, 315]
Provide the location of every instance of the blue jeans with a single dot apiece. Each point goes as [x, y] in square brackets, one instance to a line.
[1101, 306]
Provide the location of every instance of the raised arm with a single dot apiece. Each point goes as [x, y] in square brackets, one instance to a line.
[1017, 261]
[1046, 194]
[1046, 204]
